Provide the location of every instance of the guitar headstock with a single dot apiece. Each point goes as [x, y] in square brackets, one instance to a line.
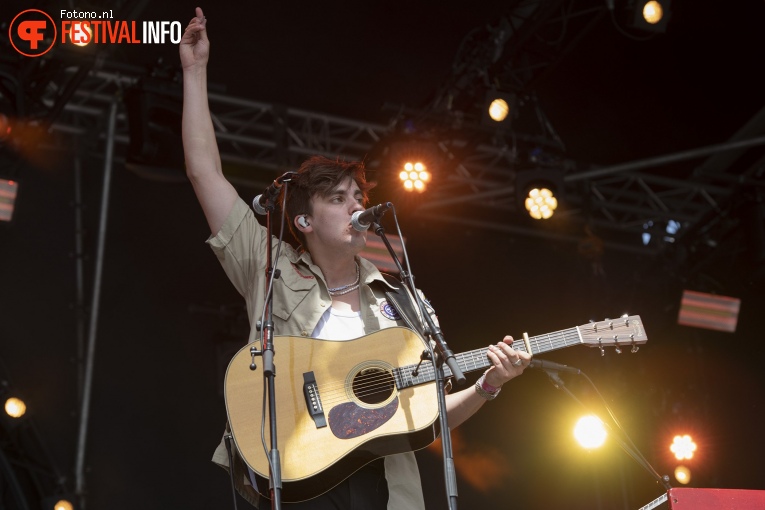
[626, 331]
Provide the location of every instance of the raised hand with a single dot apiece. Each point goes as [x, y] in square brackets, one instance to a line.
[194, 46]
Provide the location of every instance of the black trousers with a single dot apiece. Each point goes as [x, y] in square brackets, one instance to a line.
[366, 489]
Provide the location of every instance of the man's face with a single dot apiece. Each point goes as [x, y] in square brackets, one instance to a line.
[331, 218]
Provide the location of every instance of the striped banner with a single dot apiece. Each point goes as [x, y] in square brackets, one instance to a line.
[709, 311]
[8, 191]
[377, 253]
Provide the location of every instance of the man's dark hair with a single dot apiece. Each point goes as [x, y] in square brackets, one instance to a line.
[318, 176]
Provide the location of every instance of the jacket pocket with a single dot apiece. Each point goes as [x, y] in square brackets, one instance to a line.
[291, 289]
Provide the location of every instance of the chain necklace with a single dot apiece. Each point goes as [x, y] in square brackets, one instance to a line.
[345, 289]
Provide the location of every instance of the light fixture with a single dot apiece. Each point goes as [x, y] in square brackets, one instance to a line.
[541, 203]
[499, 108]
[590, 432]
[15, 407]
[14, 411]
[683, 447]
[651, 16]
[61, 501]
[414, 176]
[538, 192]
[80, 33]
[63, 504]
[8, 191]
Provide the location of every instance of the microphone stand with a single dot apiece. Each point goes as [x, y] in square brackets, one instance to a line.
[269, 369]
[631, 451]
[444, 354]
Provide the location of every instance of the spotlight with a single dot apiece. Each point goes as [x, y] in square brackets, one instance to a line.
[80, 33]
[498, 109]
[541, 203]
[14, 412]
[15, 407]
[651, 16]
[590, 432]
[414, 176]
[61, 502]
[537, 190]
[683, 447]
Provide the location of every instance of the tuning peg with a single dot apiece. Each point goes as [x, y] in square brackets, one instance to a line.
[635, 347]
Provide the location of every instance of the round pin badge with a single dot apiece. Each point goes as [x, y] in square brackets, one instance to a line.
[389, 311]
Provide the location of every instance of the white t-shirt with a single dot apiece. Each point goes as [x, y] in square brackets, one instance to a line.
[339, 325]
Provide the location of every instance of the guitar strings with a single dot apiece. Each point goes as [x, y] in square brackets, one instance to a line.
[392, 380]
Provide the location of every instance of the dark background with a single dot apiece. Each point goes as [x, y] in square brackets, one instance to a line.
[169, 320]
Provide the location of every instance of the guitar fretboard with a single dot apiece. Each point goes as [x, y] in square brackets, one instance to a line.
[472, 361]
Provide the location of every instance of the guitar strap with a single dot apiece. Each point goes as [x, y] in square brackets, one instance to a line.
[400, 299]
[401, 302]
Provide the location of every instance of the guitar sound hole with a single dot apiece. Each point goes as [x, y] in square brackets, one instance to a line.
[373, 385]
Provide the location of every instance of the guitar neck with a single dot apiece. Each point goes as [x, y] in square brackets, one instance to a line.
[477, 359]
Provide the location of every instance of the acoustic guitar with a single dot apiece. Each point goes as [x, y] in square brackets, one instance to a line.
[341, 405]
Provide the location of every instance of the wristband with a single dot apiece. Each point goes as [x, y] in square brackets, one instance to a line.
[482, 388]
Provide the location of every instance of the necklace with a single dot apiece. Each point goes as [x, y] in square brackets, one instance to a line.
[345, 289]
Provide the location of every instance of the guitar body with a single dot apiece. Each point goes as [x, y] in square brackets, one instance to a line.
[337, 408]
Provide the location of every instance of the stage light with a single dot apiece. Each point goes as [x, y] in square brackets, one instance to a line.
[652, 15]
[80, 33]
[590, 432]
[15, 407]
[541, 203]
[683, 447]
[652, 12]
[683, 475]
[498, 108]
[63, 504]
[414, 176]
[61, 501]
[538, 191]
[8, 191]
[672, 227]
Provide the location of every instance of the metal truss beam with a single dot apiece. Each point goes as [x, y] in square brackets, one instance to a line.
[477, 169]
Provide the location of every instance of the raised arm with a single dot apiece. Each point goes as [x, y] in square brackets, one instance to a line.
[203, 167]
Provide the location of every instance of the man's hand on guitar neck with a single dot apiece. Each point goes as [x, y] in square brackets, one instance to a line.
[506, 363]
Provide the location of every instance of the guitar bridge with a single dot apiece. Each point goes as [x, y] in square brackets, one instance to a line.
[313, 400]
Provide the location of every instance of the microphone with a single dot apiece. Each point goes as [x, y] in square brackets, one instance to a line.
[266, 199]
[552, 366]
[361, 220]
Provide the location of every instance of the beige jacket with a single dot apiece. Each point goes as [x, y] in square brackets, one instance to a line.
[300, 299]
